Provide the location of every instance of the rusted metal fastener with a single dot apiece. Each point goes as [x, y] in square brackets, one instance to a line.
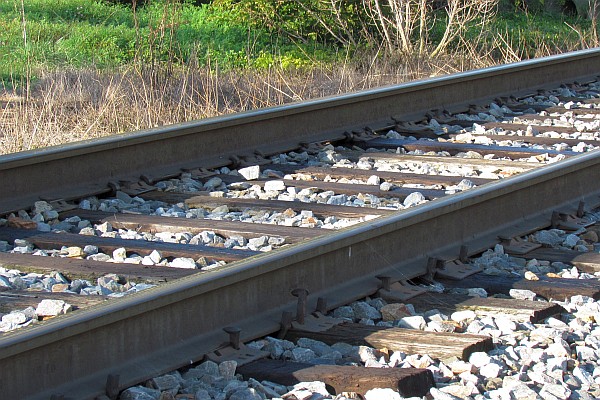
[114, 186]
[322, 305]
[556, 218]
[301, 294]
[433, 264]
[112, 386]
[286, 323]
[581, 209]
[147, 179]
[234, 336]
[463, 253]
[386, 281]
[235, 161]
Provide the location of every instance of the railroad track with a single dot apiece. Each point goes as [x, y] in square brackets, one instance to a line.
[328, 184]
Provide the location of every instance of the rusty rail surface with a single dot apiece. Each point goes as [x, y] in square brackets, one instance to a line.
[160, 329]
[50, 173]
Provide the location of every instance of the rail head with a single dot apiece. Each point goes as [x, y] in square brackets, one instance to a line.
[39, 173]
[341, 267]
[254, 292]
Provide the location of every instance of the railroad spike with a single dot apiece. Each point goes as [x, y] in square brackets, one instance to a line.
[112, 386]
[286, 322]
[581, 209]
[433, 264]
[386, 281]
[322, 305]
[235, 161]
[301, 294]
[114, 186]
[234, 336]
[554, 219]
[463, 253]
[147, 179]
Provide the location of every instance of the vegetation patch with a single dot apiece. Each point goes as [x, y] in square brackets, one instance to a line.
[79, 69]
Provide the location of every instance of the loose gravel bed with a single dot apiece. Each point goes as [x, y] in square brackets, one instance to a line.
[276, 188]
[555, 359]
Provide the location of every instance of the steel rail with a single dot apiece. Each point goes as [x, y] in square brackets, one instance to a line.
[156, 330]
[50, 172]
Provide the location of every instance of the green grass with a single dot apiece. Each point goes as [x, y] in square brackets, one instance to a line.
[83, 33]
[95, 33]
[531, 30]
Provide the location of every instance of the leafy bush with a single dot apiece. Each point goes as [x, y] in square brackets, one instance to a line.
[228, 34]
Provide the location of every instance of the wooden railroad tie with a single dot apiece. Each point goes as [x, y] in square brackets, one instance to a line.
[204, 200]
[473, 162]
[549, 288]
[152, 223]
[21, 299]
[75, 268]
[388, 176]
[587, 262]
[408, 382]
[435, 344]
[454, 148]
[519, 310]
[53, 240]
[347, 188]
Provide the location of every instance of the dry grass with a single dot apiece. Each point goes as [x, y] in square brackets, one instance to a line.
[67, 106]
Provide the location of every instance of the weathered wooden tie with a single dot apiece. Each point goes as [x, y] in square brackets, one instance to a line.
[482, 163]
[408, 382]
[51, 240]
[76, 268]
[411, 341]
[204, 200]
[388, 176]
[519, 310]
[549, 288]
[587, 262]
[349, 188]
[21, 299]
[539, 139]
[454, 148]
[150, 223]
[543, 118]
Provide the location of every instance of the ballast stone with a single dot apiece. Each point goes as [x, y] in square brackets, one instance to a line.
[382, 394]
[364, 310]
[554, 391]
[183, 262]
[52, 308]
[522, 294]
[246, 394]
[250, 173]
[15, 317]
[394, 311]
[458, 390]
[479, 359]
[140, 393]
[460, 316]
[413, 199]
[227, 369]
[439, 395]
[167, 382]
[413, 322]
[274, 186]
